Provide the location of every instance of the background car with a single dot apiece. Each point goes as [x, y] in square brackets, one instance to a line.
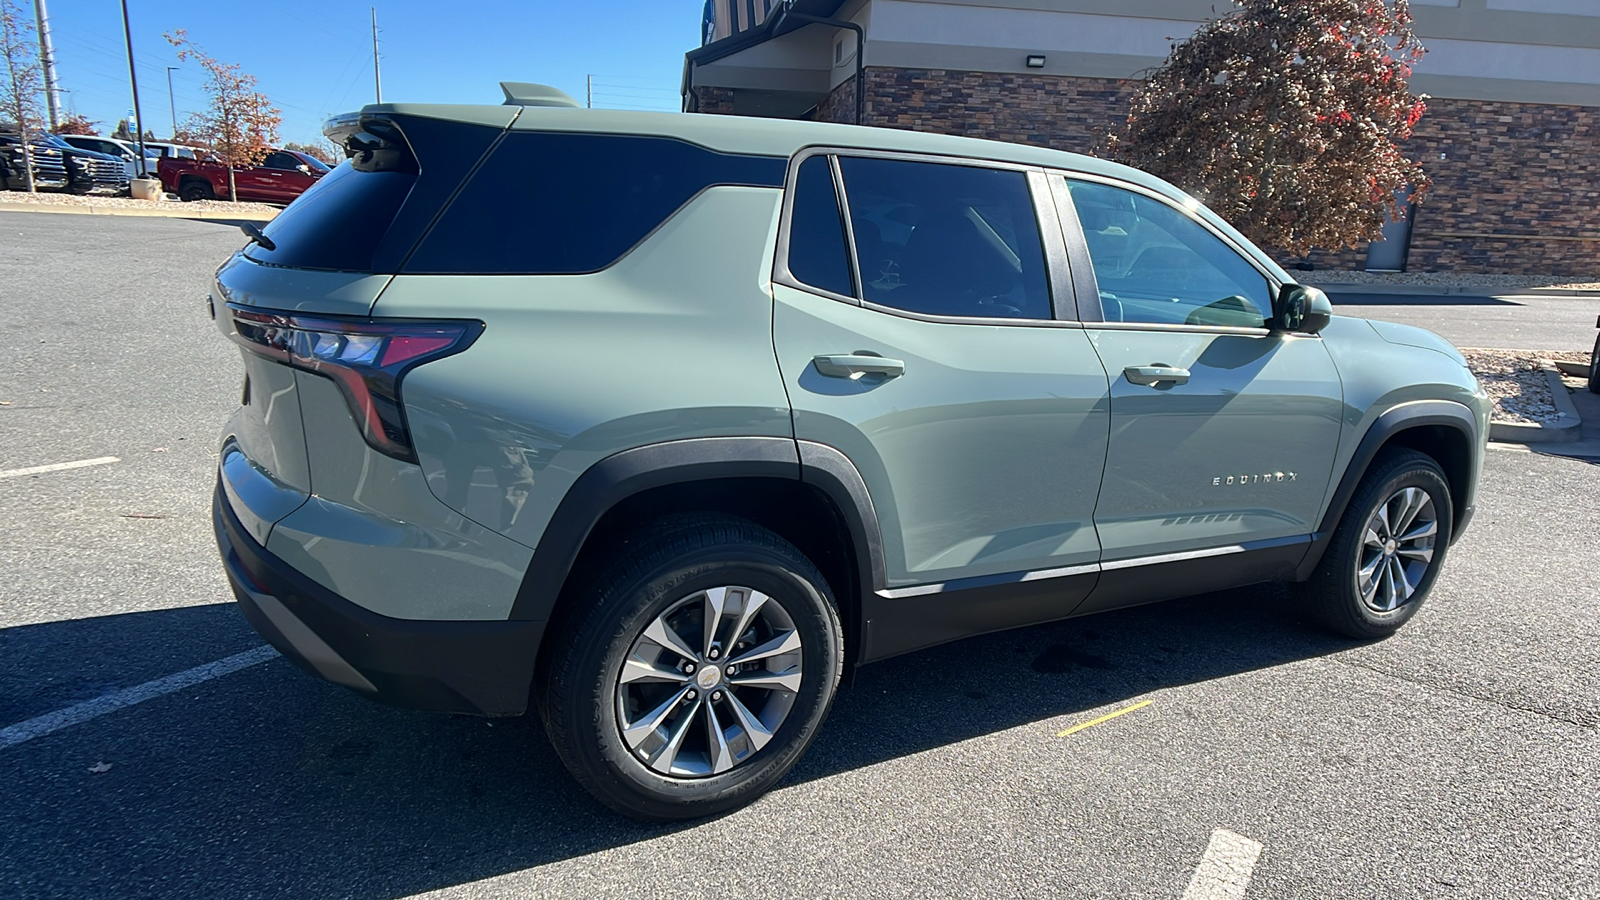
[279, 178]
[123, 150]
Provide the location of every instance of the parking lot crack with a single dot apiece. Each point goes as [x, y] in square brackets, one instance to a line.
[1581, 718]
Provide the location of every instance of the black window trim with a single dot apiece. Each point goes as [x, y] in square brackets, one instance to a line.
[1091, 313]
[1058, 274]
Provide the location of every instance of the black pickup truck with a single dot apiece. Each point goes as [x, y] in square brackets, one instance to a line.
[58, 165]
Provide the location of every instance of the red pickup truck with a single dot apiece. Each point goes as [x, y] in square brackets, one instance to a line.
[281, 177]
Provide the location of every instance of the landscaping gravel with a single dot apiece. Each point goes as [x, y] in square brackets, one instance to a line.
[172, 204]
[1516, 383]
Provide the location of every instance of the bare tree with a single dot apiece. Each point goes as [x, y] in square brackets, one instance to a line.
[239, 124]
[1286, 116]
[20, 91]
[316, 151]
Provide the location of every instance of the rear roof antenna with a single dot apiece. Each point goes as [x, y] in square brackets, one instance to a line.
[522, 93]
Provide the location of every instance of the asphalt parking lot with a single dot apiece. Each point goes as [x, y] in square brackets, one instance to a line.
[1458, 759]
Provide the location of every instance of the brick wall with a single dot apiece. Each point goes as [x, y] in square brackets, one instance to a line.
[715, 100]
[1522, 173]
[1527, 171]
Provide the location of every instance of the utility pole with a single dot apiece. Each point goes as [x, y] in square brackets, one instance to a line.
[588, 97]
[47, 62]
[173, 103]
[377, 77]
[133, 82]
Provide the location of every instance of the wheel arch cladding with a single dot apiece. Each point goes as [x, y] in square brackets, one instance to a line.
[1443, 430]
[812, 497]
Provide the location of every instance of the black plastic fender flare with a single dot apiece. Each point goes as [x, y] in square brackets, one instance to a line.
[1393, 421]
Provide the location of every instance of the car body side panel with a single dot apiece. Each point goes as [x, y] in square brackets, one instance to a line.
[239, 280]
[672, 342]
[1379, 375]
[375, 535]
[984, 457]
[1243, 451]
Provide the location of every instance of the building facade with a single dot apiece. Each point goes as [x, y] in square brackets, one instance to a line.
[1511, 136]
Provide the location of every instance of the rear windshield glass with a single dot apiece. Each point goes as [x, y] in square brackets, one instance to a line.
[555, 204]
[337, 223]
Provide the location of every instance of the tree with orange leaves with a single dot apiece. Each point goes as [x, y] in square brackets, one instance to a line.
[239, 124]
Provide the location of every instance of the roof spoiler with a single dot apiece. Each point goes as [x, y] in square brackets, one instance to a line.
[522, 93]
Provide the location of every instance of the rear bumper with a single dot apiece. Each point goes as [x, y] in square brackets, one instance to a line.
[478, 667]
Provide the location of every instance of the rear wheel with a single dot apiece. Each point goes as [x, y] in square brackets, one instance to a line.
[1386, 550]
[698, 674]
[195, 190]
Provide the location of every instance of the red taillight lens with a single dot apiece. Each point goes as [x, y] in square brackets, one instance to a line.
[365, 357]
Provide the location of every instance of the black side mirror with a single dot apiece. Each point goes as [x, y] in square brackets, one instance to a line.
[1301, 308]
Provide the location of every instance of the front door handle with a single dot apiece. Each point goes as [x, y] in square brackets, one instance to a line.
[855, 365]
[1156, 374]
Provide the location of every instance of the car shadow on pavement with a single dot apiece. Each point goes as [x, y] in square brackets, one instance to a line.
[269, 782]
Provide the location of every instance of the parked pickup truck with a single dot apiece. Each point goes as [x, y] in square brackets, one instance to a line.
[281, 177]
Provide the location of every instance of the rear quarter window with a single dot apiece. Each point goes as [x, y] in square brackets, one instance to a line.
[563, 204]
[338, 222]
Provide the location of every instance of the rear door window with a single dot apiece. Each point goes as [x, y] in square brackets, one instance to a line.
[946, 239]
[548, 203]
[817, 252]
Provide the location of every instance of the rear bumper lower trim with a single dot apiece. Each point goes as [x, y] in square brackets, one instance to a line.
[474, 667]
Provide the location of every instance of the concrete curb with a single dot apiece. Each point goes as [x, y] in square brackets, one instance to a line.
[1570, 430]
[1443, 290]
[1575, 370]
[173, 210]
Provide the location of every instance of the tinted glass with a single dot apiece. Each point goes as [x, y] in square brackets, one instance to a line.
[1155, 264]
[280, 160]
[817, 254]
[551, 204]
[946, 240]
[338, 222]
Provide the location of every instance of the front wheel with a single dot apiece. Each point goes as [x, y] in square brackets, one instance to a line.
[698, 674]
[1386, 550]
[193, 191]
[1594, 367]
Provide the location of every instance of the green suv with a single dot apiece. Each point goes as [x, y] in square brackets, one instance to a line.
[662, 424]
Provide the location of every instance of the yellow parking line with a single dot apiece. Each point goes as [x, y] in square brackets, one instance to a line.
[1105, 718]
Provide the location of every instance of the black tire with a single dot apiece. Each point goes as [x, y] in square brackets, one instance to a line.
[1594, 367]
[194, 190]
[1332, 596]
[670, 560]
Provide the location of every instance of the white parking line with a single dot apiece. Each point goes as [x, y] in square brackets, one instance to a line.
[58, 467]
[1224, 872]
[39, 726]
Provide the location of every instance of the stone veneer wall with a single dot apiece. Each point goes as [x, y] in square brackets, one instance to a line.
[1517, 178]
[714, 100]
[1526, 173]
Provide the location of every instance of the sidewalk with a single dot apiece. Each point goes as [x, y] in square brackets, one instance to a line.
[176, 209]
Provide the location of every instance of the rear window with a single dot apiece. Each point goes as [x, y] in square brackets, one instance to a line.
[562, 204]
[338, 223]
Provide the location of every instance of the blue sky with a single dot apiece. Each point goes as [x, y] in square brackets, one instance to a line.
[315, 58]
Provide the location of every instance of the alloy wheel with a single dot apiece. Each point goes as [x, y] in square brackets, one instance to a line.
[709, 682]
[1397, 548]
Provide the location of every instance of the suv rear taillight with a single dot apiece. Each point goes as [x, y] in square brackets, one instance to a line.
[366, 358]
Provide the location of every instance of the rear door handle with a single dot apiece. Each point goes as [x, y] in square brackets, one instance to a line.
[1156, 374]
[855, 365]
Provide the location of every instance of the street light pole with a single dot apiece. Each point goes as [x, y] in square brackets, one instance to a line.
[133, 82]
[173, 103]
[47, 62]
